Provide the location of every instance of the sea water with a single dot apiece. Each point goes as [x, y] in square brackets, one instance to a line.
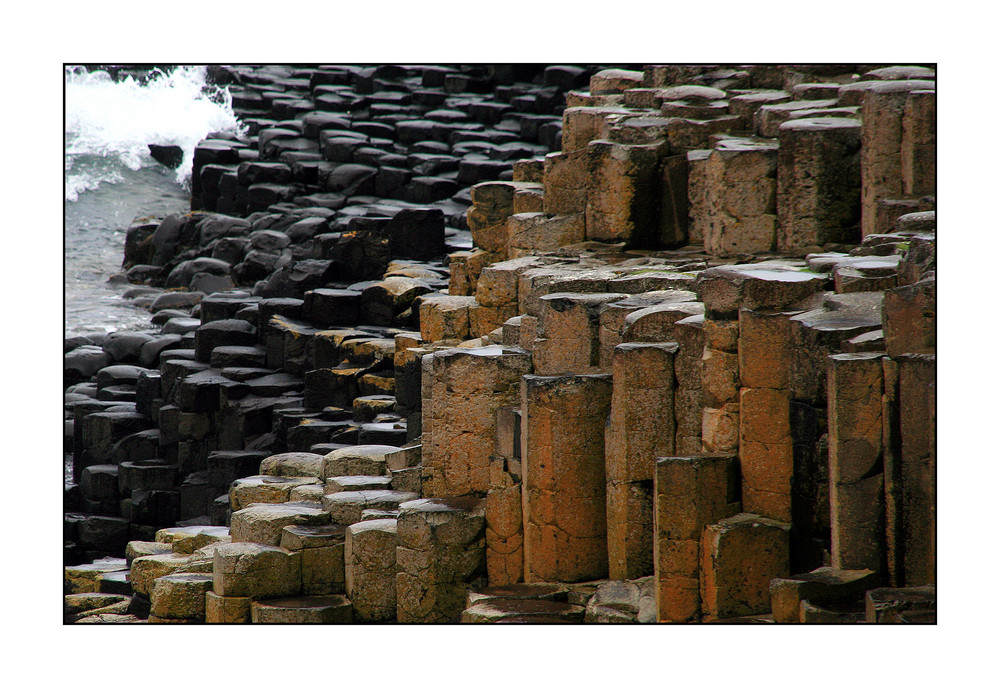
[110, 179]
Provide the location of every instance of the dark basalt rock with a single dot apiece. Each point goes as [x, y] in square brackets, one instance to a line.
[170, 156]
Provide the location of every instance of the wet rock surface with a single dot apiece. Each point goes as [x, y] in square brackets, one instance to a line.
[524, 344]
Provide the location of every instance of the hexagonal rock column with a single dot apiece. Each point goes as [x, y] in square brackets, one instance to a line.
[504, 515]
[468, 386]
[882, 109]
[918, 155]
[739, 557]
[328, 609]
[766, 438]
[690, 336]
[492, 204]
[566, 178]
[181, 596]
[691, 492]
[370, 569]
[819, 182]
[640, 428]
[854, 419]
[720, 385]
[530, 232]
[569, 333]
[263, 523]
[623, 193]
[740, 186]
[562, 452]
[916, 470]
[441, 551]
[246, 569]
[322, 552]
[445, 317]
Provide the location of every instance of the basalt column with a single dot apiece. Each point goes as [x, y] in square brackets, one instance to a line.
[640, 428]
[857, 505]
[766, 452]
[881, 144]
[692, 492]
[918, 157]
[819, 182]
[740, 197]
[467, 388]
[564, 476]
[441, 551]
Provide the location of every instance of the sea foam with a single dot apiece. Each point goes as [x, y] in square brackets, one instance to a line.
[109, 123]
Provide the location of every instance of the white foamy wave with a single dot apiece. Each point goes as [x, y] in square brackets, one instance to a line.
[109, 123]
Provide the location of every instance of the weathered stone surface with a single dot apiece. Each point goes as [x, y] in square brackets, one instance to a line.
[563, 445]
[568, 338]
[819, 181]
[445, 317]
[441, 550]
[145, 570]
[325, 609]
[468, 387]
[623, 601]
[370, 569]
[623, 196]
[226, 610]
[263, 523]
[729, 587]
[523, 611]
[888, 605]
[766, 452]
[264, 489]
[366, 459]
[740, 197]
[84, 577]
[761, 286]
[346, 508]
[250, 570]
[690, 492]
[504, 515]
[857, 506]
[882, 111]
[181, 596]
[916, 471]
[825, 584]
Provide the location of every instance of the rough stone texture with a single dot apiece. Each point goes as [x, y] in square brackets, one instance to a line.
[766, 453]
[918, 143]
[564, 476]
[181, 596]
[326, 609]
[246, 569]
[730, 585]
[691, 492]
[740, 197]
[441, 551]
[857, 507]
[761, 286]
[263, 523]
[825, 584]
[370, 568]
[882, 110]
[640, 428]
[623, 196]
[568, 332]
[819, 181]
[916, 474]
[264, 489]
[469, 386]
[504, 518]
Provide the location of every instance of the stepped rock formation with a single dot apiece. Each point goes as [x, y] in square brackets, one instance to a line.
[521, 344]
